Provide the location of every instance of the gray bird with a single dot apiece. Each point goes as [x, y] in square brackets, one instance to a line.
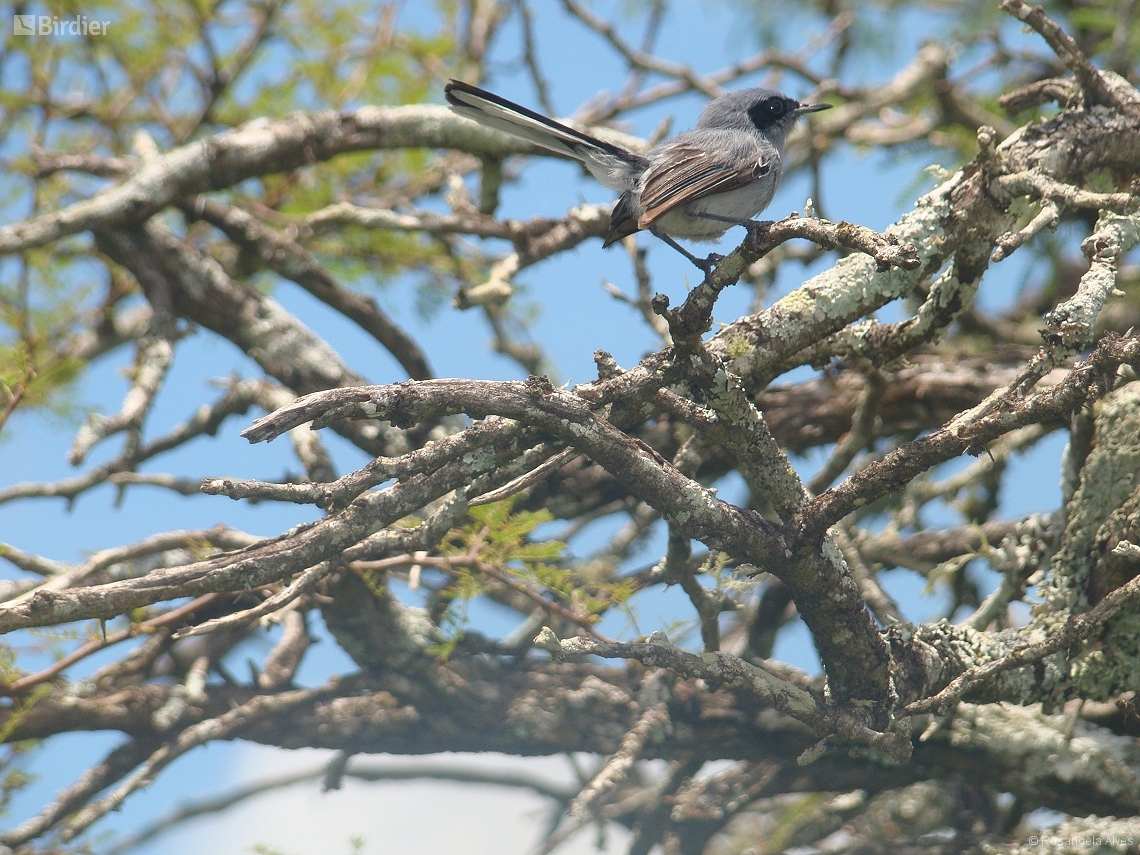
[696, 185]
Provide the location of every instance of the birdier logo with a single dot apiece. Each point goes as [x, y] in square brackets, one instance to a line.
[52, 25]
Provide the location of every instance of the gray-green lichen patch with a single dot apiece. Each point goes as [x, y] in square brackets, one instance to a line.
[1048, 749]
[544, 716]
[480, 460]
[1102, 511]
[850, 289]
[1109, 478]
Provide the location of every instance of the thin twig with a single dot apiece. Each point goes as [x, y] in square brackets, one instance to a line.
[1096, 90]
[228, 723]
[530, 57]
[304, 583]
[523, 481]
[166, 619]
[616, 769]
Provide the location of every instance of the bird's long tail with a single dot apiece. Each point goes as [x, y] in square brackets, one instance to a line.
[605, 160]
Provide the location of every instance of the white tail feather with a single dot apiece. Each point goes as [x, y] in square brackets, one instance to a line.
[611, 165]
[549, 135]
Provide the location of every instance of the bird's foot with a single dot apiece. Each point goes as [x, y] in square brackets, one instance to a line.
[707, 264]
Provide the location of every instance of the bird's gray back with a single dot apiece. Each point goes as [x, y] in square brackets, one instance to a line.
[732, 145]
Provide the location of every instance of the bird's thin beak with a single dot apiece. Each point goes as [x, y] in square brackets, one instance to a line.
[811, 108]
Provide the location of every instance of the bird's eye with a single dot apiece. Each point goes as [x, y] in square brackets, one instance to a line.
[770, 111]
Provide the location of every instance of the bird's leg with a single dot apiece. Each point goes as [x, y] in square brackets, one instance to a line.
[703, 264]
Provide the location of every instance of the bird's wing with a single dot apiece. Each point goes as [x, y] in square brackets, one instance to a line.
[691, 173]
[623, 221]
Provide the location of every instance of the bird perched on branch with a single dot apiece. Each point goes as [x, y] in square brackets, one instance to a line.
[695, 186]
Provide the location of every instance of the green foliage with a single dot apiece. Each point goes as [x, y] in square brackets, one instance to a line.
[374, 581]
[500, 536]
[356, 847]
[13, 778]
[8, 670]
[263, 849]
[1107, 27]
[11, 783]
[495, 549]
[170, 73]
[19, 707]
[31, 379]
[39, 302]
